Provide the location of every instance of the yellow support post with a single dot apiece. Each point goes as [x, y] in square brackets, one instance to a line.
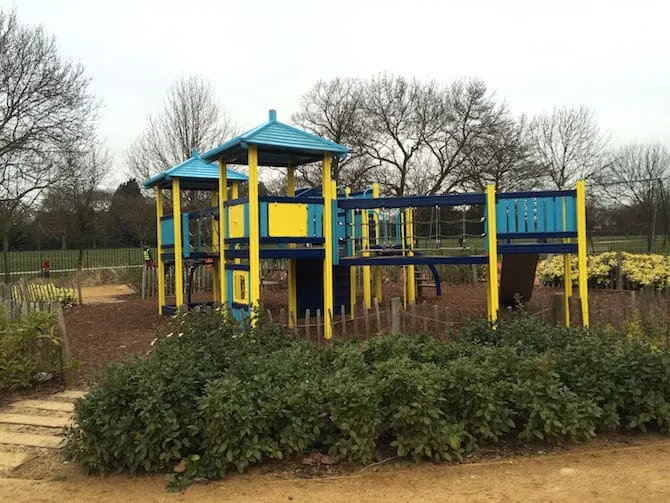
[365, 228]
[491, 234]
[581, 251]
[377, 275]
[223, 196]
[352, 270]
[216, 283]
[328, 313]
[178, 250]
[159, 250]
[567, 272]
[411, 280]
[254, 233]
[292, 287]
[403, 243]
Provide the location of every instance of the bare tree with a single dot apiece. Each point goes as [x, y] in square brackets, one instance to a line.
[191, 118]
[332, 109]
[500, 155]
[568, 144]
[635, 177]
[45, 109]
[394, 130]
[471, 139]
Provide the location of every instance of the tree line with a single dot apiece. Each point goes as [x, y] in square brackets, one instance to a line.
[412, 136]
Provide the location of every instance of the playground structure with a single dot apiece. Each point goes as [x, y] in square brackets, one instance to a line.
[328, 236]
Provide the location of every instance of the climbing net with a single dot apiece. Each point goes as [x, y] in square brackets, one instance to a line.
[434, 230]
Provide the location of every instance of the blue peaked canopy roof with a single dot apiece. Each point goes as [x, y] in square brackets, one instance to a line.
[194, 174]
[278, 145]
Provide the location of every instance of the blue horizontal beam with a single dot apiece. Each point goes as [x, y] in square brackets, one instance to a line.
[412, 201]
[277, 240]
[237, 267]
[536, 193]
[416, 260]
[538, 248]
[235, 202]
[535, 235]
[287, 199]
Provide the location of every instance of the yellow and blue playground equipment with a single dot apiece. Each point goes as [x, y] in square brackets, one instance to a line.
[328, 236]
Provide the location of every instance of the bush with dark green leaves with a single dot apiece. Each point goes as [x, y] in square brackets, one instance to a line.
[217, 396]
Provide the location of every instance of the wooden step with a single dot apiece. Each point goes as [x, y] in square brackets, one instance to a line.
[44, 405]
[11, 460]
[29, 420]
[68, 395]
[30, 440]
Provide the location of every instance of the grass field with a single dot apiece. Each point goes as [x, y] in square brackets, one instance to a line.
[25, 263]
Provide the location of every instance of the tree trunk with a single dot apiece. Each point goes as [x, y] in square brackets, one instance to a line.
[63, 243]
[5, 256]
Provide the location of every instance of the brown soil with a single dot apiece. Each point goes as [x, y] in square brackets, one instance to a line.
[598, 471]
[111, 332]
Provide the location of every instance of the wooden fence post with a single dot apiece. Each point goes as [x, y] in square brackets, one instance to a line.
[144, 282]
[474, 274]
[412, 308]
[366, 318]
[619, 268]
[425, 317]
[396, 308]
[436, 315]
[318, 326]
[65, 353]
[557, 309]
[377, 315]
[79, 294]
[343, 314]
[308, 321]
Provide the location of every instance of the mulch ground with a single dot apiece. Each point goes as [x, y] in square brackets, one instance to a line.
[111, 332]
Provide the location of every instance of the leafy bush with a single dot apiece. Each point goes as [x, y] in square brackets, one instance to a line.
[28, 345]
[216, 396]
[638, 270]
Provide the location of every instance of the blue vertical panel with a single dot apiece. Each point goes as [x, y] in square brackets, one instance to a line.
[398, 229]
[263, 216]
[558, 214]
[521, 215]
[550, 212]
[229, 290]
[540, 223]
[571, 213]
[167, 232]
[501, 216]
[510, 209]
[226, 213]
[185, 237]
[315, 220]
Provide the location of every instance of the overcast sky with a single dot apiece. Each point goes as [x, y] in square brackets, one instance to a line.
[610, 55]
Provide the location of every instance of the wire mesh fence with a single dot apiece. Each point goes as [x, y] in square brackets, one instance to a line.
[28, 263]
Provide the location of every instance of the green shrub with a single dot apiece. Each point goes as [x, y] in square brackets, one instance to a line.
[28, 345]
[217, 396]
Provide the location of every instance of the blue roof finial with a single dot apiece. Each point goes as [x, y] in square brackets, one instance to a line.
[273, 115]
[194, 153]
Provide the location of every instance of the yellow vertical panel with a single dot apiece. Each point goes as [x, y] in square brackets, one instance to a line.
[287, 220]
[178, 259]
[254, 232]
[328, 313]
[492, 236]
[223, 196]
[581, 251]
[159, 250]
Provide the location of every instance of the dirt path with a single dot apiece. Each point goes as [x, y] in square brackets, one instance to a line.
[591, 473]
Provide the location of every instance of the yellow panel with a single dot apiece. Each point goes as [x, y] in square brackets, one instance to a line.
[287, 220]
[236, 221]
[240, 287]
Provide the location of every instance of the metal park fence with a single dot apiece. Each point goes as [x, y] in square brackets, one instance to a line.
[64, 262]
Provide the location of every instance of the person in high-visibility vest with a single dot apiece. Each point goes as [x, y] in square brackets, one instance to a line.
[148, 262]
